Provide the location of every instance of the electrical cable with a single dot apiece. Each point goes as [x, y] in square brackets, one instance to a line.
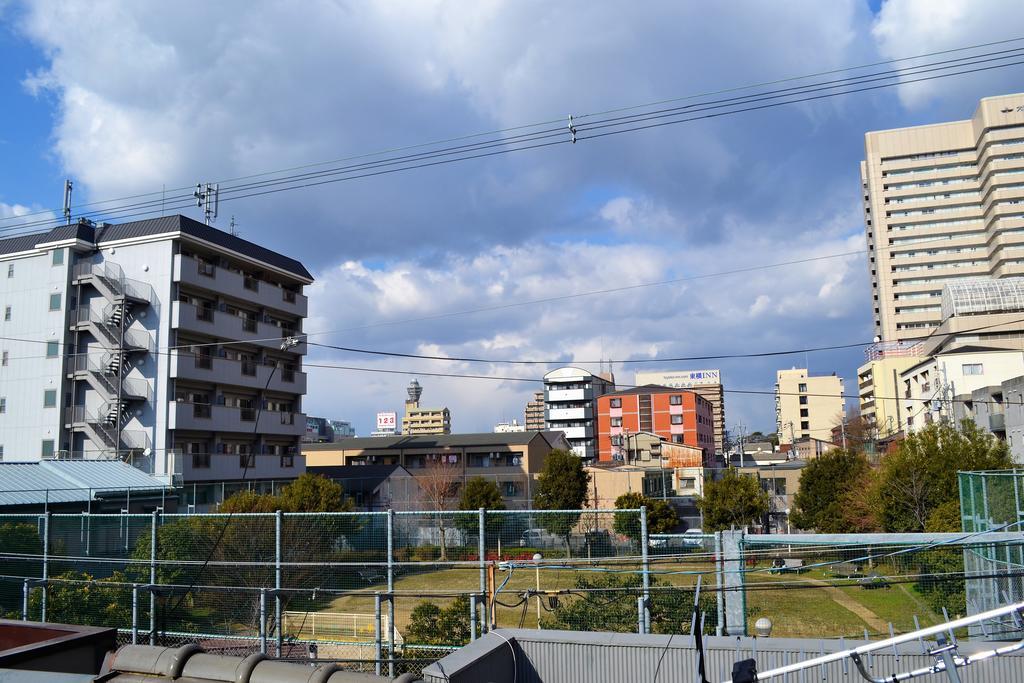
[526, 137]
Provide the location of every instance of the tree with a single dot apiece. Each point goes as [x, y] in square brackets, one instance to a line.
[734, 500]
[476, 494]
[661, 516]
[859, 433]
[820, 502]
[754, 437]
[433, 625]
[920, 476]
[439, 483]
[21, 541]
[561, 485]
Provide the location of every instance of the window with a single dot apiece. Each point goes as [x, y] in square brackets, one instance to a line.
[246, 460]
[50, 398]
[805, 425]
[3, 404]
[200, 461]
[1, 453]
[677, 438]
[804, 412]
[802, 387]
[973, 369]
[288, 460]
[616, 403]
[676, 419]
[616, 422]
[55, 302]
[803, 400]
[10, 270]
[58, 257]
[47, 450]
[52, 349]
[4, 358]
[675, 400]
[7, 314]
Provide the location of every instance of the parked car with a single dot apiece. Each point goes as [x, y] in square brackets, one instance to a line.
[693, 538]
[537, 538]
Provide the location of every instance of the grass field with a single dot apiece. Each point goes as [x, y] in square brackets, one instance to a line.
[809, 609]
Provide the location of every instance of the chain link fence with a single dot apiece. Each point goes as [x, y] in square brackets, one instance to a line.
[395, 590]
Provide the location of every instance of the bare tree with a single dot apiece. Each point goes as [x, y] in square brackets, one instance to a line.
[439, 484]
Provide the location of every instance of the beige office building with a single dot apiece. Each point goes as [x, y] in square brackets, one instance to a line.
[879, 388]
[707, 383]
[942, 203]
[807, 406]
[419, 420]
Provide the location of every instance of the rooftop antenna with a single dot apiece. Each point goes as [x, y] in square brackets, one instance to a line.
[232, 228]
[68, 186]
[208, 199]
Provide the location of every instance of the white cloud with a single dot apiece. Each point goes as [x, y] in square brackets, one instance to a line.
[909, 27]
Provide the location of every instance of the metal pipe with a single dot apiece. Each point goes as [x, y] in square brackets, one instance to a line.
[719, 594]
[263, 621]
[391, 593]
[640, 614]
[278, 520]
[377, 636]
[646, 565]
[135, 613]
[152, 577]
[482, 550]
[24, 600]
[46, 562]
[898, 640]
[472, 617]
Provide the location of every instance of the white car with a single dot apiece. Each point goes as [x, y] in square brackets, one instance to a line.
[693, 538]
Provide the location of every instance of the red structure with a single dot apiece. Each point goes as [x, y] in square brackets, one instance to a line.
[675, 415]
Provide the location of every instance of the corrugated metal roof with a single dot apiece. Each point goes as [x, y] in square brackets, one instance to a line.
[68, 481]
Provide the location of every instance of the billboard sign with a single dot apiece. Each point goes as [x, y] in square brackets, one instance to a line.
[681, 379]
[387, 422]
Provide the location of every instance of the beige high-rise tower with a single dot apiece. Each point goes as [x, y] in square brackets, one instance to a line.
[942, 202]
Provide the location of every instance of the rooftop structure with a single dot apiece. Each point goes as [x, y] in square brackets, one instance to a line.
[570, 406]
[707, 383]
[100, 485]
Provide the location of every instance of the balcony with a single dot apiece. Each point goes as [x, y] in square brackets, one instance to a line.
[210, 418]
[567, 414]
[556, 395]
[216, 370]
[575, 432]
[997, 422]
[231, 283]
[232, 327]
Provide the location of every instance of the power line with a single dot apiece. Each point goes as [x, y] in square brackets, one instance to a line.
[294, 181]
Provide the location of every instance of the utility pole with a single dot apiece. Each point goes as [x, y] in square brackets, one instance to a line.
[842, 426]
[792, 442]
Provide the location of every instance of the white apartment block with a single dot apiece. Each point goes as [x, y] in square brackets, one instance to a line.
[807, 405]
[165, 342]
[570, 406]
[942, 203]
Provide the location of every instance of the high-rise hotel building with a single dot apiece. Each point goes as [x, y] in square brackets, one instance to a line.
[942, 203]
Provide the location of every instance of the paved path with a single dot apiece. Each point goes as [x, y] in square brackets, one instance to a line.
[873, 621]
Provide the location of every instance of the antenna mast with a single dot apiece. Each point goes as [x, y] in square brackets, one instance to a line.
[208, 199]
[68, 186]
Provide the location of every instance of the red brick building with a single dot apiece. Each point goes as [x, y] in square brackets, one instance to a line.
[675, 415]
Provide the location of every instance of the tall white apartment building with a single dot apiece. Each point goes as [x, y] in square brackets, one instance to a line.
[942, 203]
[165, 342]
[570, 406]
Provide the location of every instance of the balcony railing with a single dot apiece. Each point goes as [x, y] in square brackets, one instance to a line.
[202, 411]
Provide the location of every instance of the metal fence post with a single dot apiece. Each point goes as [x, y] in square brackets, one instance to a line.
[482, 544]
[472, 617]
[135, 614]
[646, 564]
[46, 563]
[24, 600]
[640, 614]
[278, 521]
[263, 621]
[391, 593]
[719, 584]
[377, 633]
[732, 570]
[152, 577]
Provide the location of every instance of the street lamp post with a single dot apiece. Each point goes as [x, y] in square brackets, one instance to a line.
[537, 557]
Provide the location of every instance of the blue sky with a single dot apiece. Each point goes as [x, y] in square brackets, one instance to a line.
[125, 98]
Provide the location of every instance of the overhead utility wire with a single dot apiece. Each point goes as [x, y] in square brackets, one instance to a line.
[551, 121]
[538, 135]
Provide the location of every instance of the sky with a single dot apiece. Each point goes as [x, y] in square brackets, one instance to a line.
[129, 97]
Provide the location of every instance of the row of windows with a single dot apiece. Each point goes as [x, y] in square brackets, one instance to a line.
[937, 252]
[931, 197]
[935, 266]
[934, 224]
[674, 399]
[930, 210]
[245, 460]
[49, 400]
[55, 301]
[950, 181]
[927, 155]
[927, 169]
